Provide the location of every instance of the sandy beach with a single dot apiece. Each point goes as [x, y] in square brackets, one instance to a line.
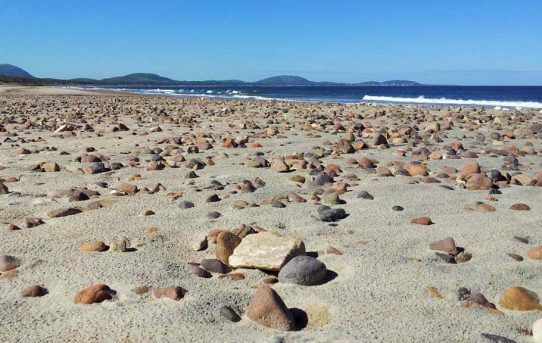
[133, 192]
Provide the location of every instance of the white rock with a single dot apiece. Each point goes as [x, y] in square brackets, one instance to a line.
[537, 331]
[266, 250]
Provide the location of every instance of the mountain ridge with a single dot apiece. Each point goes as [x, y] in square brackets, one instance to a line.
[13, 74]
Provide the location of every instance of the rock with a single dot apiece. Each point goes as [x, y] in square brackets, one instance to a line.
[120, 245]
[332, 198]
[446, 245]
[127, 188]
[268, 309]
[333, 251]
[535, 253]
[467, 170]
[537, 331]
[213, 215]
[8, 263]
[463, 294]
[497, 338]
[480, 300]
[520, 207]
[145, 213]
[33, 291]
[481, 207]
[515, 256]
[232, 276]
[93, 294]
[140, 290]
[479, 182]
[416, 169]
[200, 244]
[463, 257]
[3, 188]
[519, 299]
[172, 292]
[365, 195]
[397, 208]
[332, 214]
[214, 266]
[421, 221]
[185, 204]
[228, 313]
[226, 242]
[383, 171]
[280, 166]
[93, 246]
[200, 272]
[303, 270]
[63, 212]
[266, 250]
[50, 167]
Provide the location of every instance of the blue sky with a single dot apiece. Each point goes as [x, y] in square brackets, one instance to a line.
[431, 41]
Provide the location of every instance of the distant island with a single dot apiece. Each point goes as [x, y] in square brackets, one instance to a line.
[13, 74]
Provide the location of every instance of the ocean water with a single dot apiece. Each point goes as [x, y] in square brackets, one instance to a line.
[494, 96]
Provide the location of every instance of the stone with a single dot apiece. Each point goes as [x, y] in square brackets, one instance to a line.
[364, 195]
[266, 250]
[467, 170]
[520, 207]
[383, 171]
[214, 215]
[228, 313]
[172, 292]
[200, 272]
[303, 270]
[280, 166]
[127, 188]
[215, 266]
[481, 207]
[50, 167]
[421, 221]
[8, 263]
[463, 293]
[446, 245]
[119, 245]
[93, 294]
[537, 331]
[226, 242]
[185, 204]
[63, 212]
[332, 214]
[535, 253]
[93, 246]
[332, 198]
[200, 244]
[397, 208]
[480, 300]
[3, 188]
[519, 299]
[416, 169]
[268, 309]
[479, 182]
[33, 291]
[140, 290]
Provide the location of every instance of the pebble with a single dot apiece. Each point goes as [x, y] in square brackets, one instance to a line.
[303, 270]
[519, 299]
[200, 272]
[119, 245]
[226, 243]
[535, 253]
[421, 221]
[8, 263]
[365, 195]
[228, 313]
[446, 245]
[185, 204]
[215, 266]
[33, 291]
[520, 207]
[172, 292]
[268, 309]
[93, 294]
[537, 331]
[332, 214]
[93, 246]
[397, 208]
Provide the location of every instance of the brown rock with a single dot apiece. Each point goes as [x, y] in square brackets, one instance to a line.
[519, 299]
[8, 263]
[535, 253]
[520, 207]
[479, 182]
[63, 212]
[172, 292]
[225, 245]
[421, 221]
[467, 170]
[93, 294]
[93, 246]
[416, 169]
[50, 167]
[268, 309]
[446, 245]
[33, 291]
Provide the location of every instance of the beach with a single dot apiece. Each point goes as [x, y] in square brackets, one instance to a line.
[159, 180]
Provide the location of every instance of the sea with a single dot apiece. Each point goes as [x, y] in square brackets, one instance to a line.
[505, 97]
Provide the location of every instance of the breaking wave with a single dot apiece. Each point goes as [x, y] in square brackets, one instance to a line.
[445, 101]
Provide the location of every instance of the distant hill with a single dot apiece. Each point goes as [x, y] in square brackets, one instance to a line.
[138, 78]
[12, 74]
[13, 71]
[282, 80]
[389, 83]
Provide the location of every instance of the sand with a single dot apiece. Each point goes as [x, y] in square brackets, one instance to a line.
[380, 291]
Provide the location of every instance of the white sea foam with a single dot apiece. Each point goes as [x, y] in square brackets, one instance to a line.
[444, 101]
